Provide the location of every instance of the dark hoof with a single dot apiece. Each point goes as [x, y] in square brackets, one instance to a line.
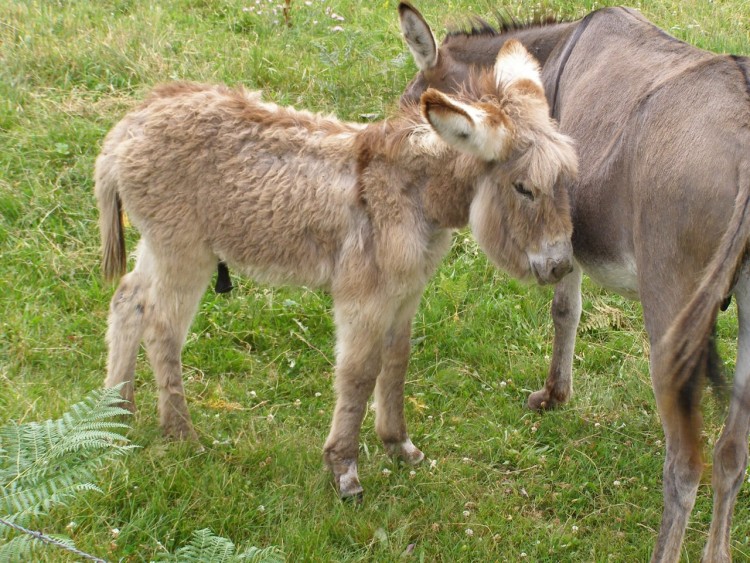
[355, 498]
[542, 401]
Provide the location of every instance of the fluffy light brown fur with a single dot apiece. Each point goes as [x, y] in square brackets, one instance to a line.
[209, 173]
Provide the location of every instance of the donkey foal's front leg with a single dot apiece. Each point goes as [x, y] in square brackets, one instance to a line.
[390, 422]
[357, 367]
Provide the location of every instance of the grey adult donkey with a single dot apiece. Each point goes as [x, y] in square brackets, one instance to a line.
[660, 213]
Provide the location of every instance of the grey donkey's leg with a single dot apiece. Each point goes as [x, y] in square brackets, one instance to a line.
[390, 422]
[683, 464]
[178, 287]
[731, 451]
[566, 314]
[360, 332]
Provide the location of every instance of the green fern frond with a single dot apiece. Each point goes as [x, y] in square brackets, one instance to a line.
[46, 464]
[24, 548]
[204, 545]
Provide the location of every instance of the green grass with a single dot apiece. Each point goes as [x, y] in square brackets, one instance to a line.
[582, 483]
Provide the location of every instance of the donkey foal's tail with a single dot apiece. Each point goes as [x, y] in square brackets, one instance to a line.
[114, 257]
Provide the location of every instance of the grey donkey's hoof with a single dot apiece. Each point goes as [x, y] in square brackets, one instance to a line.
[180, 432]
[543, 400]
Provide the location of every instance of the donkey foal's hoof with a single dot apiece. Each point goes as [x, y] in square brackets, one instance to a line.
[405, 451]
[349, 485]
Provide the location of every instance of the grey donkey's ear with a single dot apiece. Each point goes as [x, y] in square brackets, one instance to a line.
[418, 36]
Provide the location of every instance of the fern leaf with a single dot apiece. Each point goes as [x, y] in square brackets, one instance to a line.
[204, 545]
[46, 464]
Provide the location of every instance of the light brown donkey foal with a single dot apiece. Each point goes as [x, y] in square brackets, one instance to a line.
[209, 173]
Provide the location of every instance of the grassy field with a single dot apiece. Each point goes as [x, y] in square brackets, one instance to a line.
[582, 483]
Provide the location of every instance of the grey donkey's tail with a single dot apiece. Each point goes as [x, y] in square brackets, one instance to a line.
[687, 351]
[111, 229]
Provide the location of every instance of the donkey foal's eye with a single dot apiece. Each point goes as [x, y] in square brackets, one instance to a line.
[521, 189]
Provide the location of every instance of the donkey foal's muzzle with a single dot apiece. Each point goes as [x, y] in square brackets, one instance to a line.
[553, 263]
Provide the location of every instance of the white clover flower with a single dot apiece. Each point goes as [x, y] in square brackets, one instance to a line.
[469, 532]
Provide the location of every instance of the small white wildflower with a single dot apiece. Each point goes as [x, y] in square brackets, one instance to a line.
[574, 528]
[503, 384]
[523, 554]
[386, 472]
[433, 463]
[115, 532]
[467, 513]
[318, 394]
[71, 526]
[412, 473]
[261, 508]
[469, 532]
[658, 442]
[269, 418]
[308, 3]
[253, 394]
[337, 28]
[597, 425]
[466, 460]
[297, 402]
[616, 483]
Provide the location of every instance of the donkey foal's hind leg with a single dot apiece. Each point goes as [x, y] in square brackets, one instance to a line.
[178, 287]
[127, 318]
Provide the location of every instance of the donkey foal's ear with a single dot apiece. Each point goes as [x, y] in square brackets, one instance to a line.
[515, 64]
[466, 127]
[418, 35]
